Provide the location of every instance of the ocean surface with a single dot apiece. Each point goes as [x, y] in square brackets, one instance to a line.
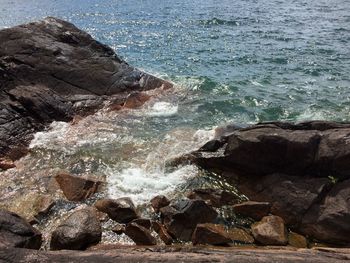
[236, 62]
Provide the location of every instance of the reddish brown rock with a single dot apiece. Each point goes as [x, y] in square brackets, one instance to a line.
[239, 235]
[77, 188]
[216, 197]
[158, 202]
[78, 231]
[119, 229]
[255, 210]
[17, 232]
[140, 235]
[211, 234]
[6, 164]
[297, 240]
[270, 231]
[162, 233]
[136, 100]
[121, 210]
[146, 223]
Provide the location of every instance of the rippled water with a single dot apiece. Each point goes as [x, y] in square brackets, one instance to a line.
[232, 61]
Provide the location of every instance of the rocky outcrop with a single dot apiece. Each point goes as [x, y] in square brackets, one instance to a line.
[302, 170]
[17, 232]
[181, 218]
[50, 70]
[270, 231]
[77, 188]
[78, 231]
[121, 210]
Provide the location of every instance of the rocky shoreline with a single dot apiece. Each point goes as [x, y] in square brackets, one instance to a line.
[292, 180]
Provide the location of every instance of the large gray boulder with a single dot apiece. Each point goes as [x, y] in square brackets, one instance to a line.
[50, 70]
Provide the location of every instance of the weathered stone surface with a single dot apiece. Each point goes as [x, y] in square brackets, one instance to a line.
[183, 217]
[146, 223]
[78, 231]
[119, 229]
[239, 235]
[270, 231]
[162, 233]
[216, 197]
[121, 210]
[328, 220]
[77, 188]
[158, 202]
[6, 164]
[140, 235]
[136, 100]
[211, 234]
[196, 254]
[297, 240]
[51, 70]
[17, 232]
[255, 210]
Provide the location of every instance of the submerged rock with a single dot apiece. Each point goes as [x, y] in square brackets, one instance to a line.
[216, 197]
[121, 210]
[158, 202]
[182, 217]
[50, 70]
[77, 188]
[17, 232]
[78, 231]
[270, 231]
[255, 210]
[140, 235]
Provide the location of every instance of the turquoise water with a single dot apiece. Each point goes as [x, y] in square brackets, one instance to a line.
[242, 61]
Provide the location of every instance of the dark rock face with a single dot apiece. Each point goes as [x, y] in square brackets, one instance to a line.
[140, 235]
[158, 202]
[182, 219]
[211, 234]
[255, 210]
[146, 223]
[216, 197]
[270, 231]
[290, 166]
[79, 231]
[121, 210]
[162, 233]
[76, 188]
[16, 232]
[51, 70]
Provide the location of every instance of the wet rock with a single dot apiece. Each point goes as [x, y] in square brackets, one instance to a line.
[119, 229]
[166, 213]
[140, 235]
[270, 231]
[77, 188]
[78, 231]
[17, 232]
[51, 70]
[239, 235]
[146, 223]
[6, 164]
[136, 100]
[297, 240]
[211, 234]
[216, 197]
[158, 202]
[255, 210]
[328, 220]
[121, 210]
[162, 233]
[182, 219]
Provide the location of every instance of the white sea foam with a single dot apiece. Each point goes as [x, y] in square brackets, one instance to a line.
[162, 108]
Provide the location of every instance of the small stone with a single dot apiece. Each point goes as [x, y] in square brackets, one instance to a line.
[158, 202]
[78, 231]
[6, 164]
[162, 233]
[119, 229]
[44, 205]
[140, 235]
[211, 234]
[77, 188]
[270, 231]
[255, 210]
[297, 240]
[216, 197]
[121, 210]
[239, 235]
